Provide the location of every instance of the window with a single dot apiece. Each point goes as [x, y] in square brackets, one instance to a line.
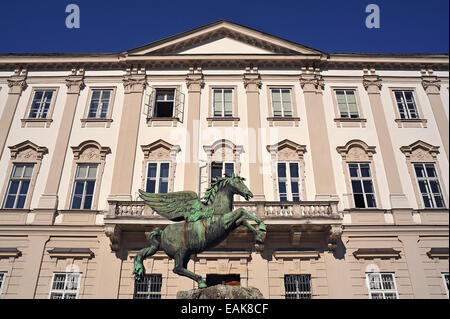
[2, 280]
[347, 103]
[65, 286]
[444, 277]
[362, 185]
[429, 187]
[157, 177]
[148, 288]
[288, 181]
[99, 105]
[297, 286]
[18, 185]
[281, 102]
[221, 169]
[223, 102]
[406, 106]
[40, 104]
[83, 187]
[164, 103]
[381, 286]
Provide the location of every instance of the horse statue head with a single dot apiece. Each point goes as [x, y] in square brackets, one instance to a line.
[230, 184]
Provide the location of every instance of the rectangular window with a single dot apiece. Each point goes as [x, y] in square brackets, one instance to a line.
[157, 177]
[100, 100]
[347, 103]
[41, 104]
[288, 181]
[65, 286]
[19, 183]
[445, 278]
[148, 288]
[221, 169]
[164, 103]
[223, 102]
[381, 286]
[281, 102]
[362, 185]
[429, 187]
[2, 280]
[297, 286]
[83, 186]
[406, 104]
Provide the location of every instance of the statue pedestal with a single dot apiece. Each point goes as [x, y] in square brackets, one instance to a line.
[221, 292]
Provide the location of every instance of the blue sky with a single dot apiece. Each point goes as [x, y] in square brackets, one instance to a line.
[330, 26]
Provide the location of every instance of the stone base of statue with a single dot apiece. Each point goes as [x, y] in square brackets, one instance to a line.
[221, 292]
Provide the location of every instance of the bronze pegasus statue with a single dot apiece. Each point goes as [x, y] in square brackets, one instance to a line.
[203, 224]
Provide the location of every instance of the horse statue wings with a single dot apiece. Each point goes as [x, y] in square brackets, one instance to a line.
[202, 224]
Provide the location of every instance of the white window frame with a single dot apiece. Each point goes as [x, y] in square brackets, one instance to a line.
[98, 112]
[347, 104]
[281, 101]
[148, 293]
[20, 179]
[404, 105]
[362, 179]
[381, 291]
[65, 291]
[445, 274]
[84, 180]
[2, 280]
[165, 100]
[222, 113]
[427, 180]
[223, 167]
[41, 104]
[158, 177]
[289, 179]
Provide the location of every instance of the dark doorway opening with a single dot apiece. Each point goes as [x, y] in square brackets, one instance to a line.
[229, 280]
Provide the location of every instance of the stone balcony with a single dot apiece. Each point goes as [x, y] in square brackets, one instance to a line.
[293, 217]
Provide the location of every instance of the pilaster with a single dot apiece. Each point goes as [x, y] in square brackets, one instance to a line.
[373, 84]
[74, 83]
[134, 83]
[252, 84]
[16, 84]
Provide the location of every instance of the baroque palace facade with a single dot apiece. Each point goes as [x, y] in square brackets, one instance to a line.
[346, 154]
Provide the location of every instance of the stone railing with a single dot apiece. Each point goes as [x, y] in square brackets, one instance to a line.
[265, 210]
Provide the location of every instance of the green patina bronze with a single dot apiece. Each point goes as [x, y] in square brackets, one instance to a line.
[207, 223]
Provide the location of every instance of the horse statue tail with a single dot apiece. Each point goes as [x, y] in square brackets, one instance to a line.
[139, 270]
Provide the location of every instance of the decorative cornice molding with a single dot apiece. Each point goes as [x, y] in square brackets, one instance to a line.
[134, 80]
[420, 151]
[356, 150]
[430, 82]
[334, 234]
[90, 151]
[311, 80]
[114, 233]
[438, 252]
[70, 253]
[27, 151]
[17, 82]
[9, 252]
[194, 80]
[172, 150]
[369, 253]
[275, 149]
[252, 79]
[75, 81]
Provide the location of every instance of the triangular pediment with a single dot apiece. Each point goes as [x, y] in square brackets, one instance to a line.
[223, 37]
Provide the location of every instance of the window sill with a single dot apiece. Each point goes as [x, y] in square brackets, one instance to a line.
[411, 123]
[162, 121]
[350, 122]
[94, 122]
[36, 122]
[223, 121]
[283, 121]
